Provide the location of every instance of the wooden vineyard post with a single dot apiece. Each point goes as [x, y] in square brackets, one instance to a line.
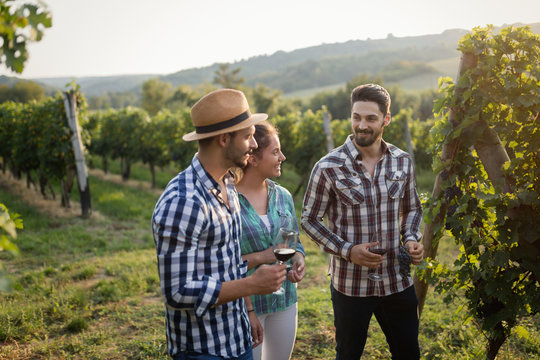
[70, 102]
[410, 148]
[468, 61]
[327, 130]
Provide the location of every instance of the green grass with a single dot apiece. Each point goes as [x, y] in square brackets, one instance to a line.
[139, 171]
[89, 288]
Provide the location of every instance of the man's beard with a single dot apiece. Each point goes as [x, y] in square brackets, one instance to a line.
[366, 141]
[236, 157]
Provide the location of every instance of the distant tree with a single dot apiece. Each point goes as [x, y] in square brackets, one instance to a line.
[20, 24]
[155, 139]
[122, 99]
[401, 99]
[425, 106]
[155, 94]
[403, 69]
[99, 102]
[303, 141]
[22, 91]
[128, 130]
[228, 78]
[5, 93]
[26, 91]
[338, 102]
[264, 98]
[114, 100]
[286, 106]
[183, 96]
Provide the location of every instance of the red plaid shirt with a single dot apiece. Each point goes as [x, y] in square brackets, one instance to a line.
[357, 208]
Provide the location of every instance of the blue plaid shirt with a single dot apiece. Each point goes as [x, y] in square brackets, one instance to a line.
[197, 240]
[257, 237]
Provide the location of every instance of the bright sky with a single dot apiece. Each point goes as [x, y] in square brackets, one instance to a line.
[113, 37]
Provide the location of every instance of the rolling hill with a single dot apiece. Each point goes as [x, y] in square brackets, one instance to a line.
[414, 62]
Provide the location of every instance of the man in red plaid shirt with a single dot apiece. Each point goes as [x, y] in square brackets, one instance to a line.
[366, 190]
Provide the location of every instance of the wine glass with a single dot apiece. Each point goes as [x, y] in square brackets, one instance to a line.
[374, 274]
[284, 248]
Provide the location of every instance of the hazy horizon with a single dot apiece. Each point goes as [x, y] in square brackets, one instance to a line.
[134, 37]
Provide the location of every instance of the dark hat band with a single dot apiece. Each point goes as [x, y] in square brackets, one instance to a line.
[224, 124]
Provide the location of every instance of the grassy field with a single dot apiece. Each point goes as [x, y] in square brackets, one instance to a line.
[89, 289]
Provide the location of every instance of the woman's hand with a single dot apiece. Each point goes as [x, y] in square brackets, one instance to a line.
[298, 269]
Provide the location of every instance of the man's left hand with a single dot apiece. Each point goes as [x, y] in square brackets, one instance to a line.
[416, 250]
[256, 329]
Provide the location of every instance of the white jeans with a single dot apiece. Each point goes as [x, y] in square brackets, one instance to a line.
[279, 333]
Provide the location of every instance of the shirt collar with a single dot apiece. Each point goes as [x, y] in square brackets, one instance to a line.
[355, 154]
[206, 179]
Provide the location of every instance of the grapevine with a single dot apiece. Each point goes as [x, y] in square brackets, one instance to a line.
[492, 204]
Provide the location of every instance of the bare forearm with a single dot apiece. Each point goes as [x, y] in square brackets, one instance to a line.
[266, 279]
[234, 289]
[258, 258]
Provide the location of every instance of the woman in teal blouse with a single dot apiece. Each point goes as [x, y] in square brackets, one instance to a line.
[265, 207]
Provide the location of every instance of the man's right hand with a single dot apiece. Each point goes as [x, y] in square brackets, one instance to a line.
[268, 278]
[360, 255]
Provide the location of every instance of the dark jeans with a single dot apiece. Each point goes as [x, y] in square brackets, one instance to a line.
[196, 356]
[397, 315]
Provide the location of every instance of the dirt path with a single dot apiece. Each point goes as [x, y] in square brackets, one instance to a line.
[117, 179]
[33, 197]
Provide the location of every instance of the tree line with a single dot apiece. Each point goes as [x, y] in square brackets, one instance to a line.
[37, 137]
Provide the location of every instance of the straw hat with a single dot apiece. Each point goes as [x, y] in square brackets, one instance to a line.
[219, 112]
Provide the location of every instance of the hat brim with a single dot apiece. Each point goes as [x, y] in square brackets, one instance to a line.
[252, 120]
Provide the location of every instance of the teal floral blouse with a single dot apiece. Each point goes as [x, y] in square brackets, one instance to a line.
[257, 237]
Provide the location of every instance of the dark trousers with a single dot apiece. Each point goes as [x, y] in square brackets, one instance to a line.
[248, 355]
[397, 315]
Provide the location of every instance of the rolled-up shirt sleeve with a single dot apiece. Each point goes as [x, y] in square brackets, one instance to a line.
[178, 224]
[316, 203]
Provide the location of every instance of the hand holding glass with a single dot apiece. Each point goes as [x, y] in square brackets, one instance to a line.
[380, 249]
[284, 249]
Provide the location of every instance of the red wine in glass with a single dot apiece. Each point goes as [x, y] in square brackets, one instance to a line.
[284, 248]
[284, 254]
[373, 274]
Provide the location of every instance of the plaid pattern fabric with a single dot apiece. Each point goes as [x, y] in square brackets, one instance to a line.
[358, 209]
[257, 237]
[197, 240]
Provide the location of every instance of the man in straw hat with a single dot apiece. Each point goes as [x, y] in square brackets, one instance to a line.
[196, 226]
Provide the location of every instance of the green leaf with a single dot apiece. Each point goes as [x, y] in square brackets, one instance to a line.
[521, 332]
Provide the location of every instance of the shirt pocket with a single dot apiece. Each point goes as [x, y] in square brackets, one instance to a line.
[395, 184]
[350, 190]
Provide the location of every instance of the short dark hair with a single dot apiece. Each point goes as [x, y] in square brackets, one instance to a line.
[372, 92]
